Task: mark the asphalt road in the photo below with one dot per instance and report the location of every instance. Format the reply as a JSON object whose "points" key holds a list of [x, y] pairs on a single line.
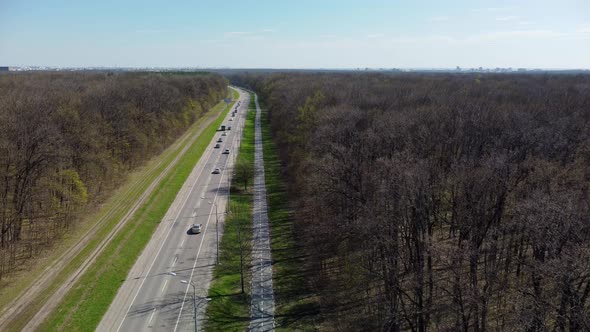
{"points": [[262, 304], [157, 294]]}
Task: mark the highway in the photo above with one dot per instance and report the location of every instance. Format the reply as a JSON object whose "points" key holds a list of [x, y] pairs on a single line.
{"points": [[157, 295]]}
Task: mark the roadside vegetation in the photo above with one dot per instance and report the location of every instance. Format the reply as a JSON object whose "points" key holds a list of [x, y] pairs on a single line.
{"points": [[76, 124], [436, 201], [229, 309], [68, 139], [83, 307], [296, 307]]}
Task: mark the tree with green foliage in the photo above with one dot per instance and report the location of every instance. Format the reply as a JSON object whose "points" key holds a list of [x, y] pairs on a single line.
{"points": [[243, 171]]}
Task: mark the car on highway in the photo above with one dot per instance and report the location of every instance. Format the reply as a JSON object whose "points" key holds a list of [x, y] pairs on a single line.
{"points": [[220, 140], [230, 119], [228, 127], [226, 151], [224, 134], [196, 228], [216, 171], [217, 146]]}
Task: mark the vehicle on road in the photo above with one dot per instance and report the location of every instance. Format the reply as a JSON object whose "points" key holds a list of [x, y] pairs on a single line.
{"points": [[230, 119], [222, 128], [217, 146], [216, 171], [220, 140], [226, 151], [228, 127], [196, 228], [224, 134]]}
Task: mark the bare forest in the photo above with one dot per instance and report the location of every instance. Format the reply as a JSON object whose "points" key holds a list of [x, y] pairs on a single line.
{"points": [[438, 202], [68, 139]]}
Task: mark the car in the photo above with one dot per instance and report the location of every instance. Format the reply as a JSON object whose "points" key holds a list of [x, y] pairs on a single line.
{"points": [[196, 228], [216, 171], [228, 127], [226, 151], [233, 114], [230, 119], [220, 140], [224, 134], [217, 146]]}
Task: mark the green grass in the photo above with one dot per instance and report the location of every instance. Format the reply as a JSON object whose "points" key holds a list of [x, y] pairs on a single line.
{"points": [[230, 309], [295, 306], [85, 304]]}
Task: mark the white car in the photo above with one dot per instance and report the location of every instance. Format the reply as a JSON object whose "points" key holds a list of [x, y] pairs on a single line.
{"points": [[196, 228], [224, 134], [216, 171], [230, 119]]}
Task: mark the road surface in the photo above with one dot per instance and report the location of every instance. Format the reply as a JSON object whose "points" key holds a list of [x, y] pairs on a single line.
{"points": [[157, 294], [262, 305]]}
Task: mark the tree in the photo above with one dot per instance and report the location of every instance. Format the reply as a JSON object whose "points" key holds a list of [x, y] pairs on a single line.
{"points": [[243, 172]]}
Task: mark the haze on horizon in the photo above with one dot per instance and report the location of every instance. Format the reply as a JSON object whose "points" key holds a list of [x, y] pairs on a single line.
{"points": [[296, 34]]}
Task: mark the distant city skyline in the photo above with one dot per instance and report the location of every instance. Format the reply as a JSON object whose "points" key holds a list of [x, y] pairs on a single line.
{"points": [[296, 34]]}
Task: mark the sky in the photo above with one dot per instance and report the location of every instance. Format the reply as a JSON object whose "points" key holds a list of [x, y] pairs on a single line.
{"points": [[296, 33]]}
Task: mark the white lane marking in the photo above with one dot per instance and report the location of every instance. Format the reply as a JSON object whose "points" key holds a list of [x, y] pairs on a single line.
{"points": [[210, 152], [164, 286], [181, 243], [223, 173], [152, 316], [175, 259]]}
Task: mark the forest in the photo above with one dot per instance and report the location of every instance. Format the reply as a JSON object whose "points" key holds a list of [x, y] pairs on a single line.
{"points": [[438, 202], [67, 139]]}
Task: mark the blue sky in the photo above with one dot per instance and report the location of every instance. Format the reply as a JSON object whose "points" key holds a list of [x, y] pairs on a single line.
{"points": [[296, 34]]}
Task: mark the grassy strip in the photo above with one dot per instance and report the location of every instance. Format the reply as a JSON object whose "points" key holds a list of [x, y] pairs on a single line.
{"points": [[230, 308], [85, 304], [295, 306]]}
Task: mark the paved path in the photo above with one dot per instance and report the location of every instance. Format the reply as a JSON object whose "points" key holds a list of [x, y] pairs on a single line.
{"points": [[262, 306]]}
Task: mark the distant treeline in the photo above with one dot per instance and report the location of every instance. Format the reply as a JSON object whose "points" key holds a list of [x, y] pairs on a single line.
{"points": [[67, 139], [439, 202]]}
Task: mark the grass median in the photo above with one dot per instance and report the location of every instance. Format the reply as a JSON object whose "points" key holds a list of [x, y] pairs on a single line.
{"points": [[295, 306], [229, 309], [85, 304]]}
